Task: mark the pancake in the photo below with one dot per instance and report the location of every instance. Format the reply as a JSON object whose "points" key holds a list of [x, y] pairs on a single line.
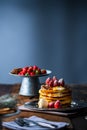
{"points": [[53, 93]]}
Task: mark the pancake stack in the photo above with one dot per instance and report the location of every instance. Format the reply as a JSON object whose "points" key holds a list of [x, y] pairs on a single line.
{"points": [[54, 90]]}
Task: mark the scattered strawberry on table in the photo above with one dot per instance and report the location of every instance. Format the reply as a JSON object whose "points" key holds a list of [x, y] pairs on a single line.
{"points": [[31, 71]]}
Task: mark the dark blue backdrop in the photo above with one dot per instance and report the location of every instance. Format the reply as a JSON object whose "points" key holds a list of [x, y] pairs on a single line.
{"points": [[49, 33]]}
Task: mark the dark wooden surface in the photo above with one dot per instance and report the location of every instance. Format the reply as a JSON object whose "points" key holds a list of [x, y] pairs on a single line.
{"points": [[79, 92]]}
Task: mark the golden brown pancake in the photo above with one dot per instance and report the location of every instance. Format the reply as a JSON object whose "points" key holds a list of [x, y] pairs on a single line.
{"points": [[56, 93]]}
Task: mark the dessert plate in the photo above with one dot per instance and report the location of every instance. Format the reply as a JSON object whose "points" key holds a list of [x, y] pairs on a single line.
{"points": [[74, 107]]}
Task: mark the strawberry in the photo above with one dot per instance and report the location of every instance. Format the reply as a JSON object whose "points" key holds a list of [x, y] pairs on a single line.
{"points": [[24, 69], [50, 83], [57, 104], [32, 73], [30, 69], [35, 67], [61, 82], [55, 83], [21, 73], [54, 78], [51, 105], [47, 80]]}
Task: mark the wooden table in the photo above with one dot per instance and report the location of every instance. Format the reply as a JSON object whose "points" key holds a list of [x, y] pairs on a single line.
{"points": [[77, 121]]}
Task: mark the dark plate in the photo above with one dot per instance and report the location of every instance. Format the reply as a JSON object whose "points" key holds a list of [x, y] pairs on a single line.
{"points": [[39, 75], [75, 106], [11, 114]]}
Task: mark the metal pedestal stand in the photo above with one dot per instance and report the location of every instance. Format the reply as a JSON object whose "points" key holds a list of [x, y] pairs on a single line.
{"points": [[30, 86]]}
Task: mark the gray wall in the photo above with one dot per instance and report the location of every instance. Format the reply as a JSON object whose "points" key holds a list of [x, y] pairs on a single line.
{"points": [[49, 33]]}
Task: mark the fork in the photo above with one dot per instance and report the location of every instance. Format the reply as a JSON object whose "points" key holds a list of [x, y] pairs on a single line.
{"points": [[26, 122]]}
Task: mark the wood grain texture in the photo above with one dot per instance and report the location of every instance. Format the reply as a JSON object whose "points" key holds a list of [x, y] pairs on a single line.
{"points": [[79, 92]]}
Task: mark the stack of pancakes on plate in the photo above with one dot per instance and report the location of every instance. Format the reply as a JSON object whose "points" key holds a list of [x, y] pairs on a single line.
{"points": [[57, 91]]}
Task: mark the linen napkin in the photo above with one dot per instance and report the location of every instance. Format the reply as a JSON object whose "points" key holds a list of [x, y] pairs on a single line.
{"points": [[14, 126]]}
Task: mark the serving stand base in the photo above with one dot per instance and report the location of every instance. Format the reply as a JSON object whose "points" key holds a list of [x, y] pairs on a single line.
{"points": [[30, 86]]}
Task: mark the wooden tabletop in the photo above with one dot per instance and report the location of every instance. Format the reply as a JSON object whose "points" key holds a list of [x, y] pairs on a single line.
{"points": [[79, 92]]}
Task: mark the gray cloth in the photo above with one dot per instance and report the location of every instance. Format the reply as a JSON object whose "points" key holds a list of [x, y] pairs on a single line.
{"points": [[14, 126]]}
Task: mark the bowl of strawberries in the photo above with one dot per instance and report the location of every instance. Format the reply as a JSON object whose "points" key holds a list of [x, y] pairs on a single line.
{"points": [[30, 71]]}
